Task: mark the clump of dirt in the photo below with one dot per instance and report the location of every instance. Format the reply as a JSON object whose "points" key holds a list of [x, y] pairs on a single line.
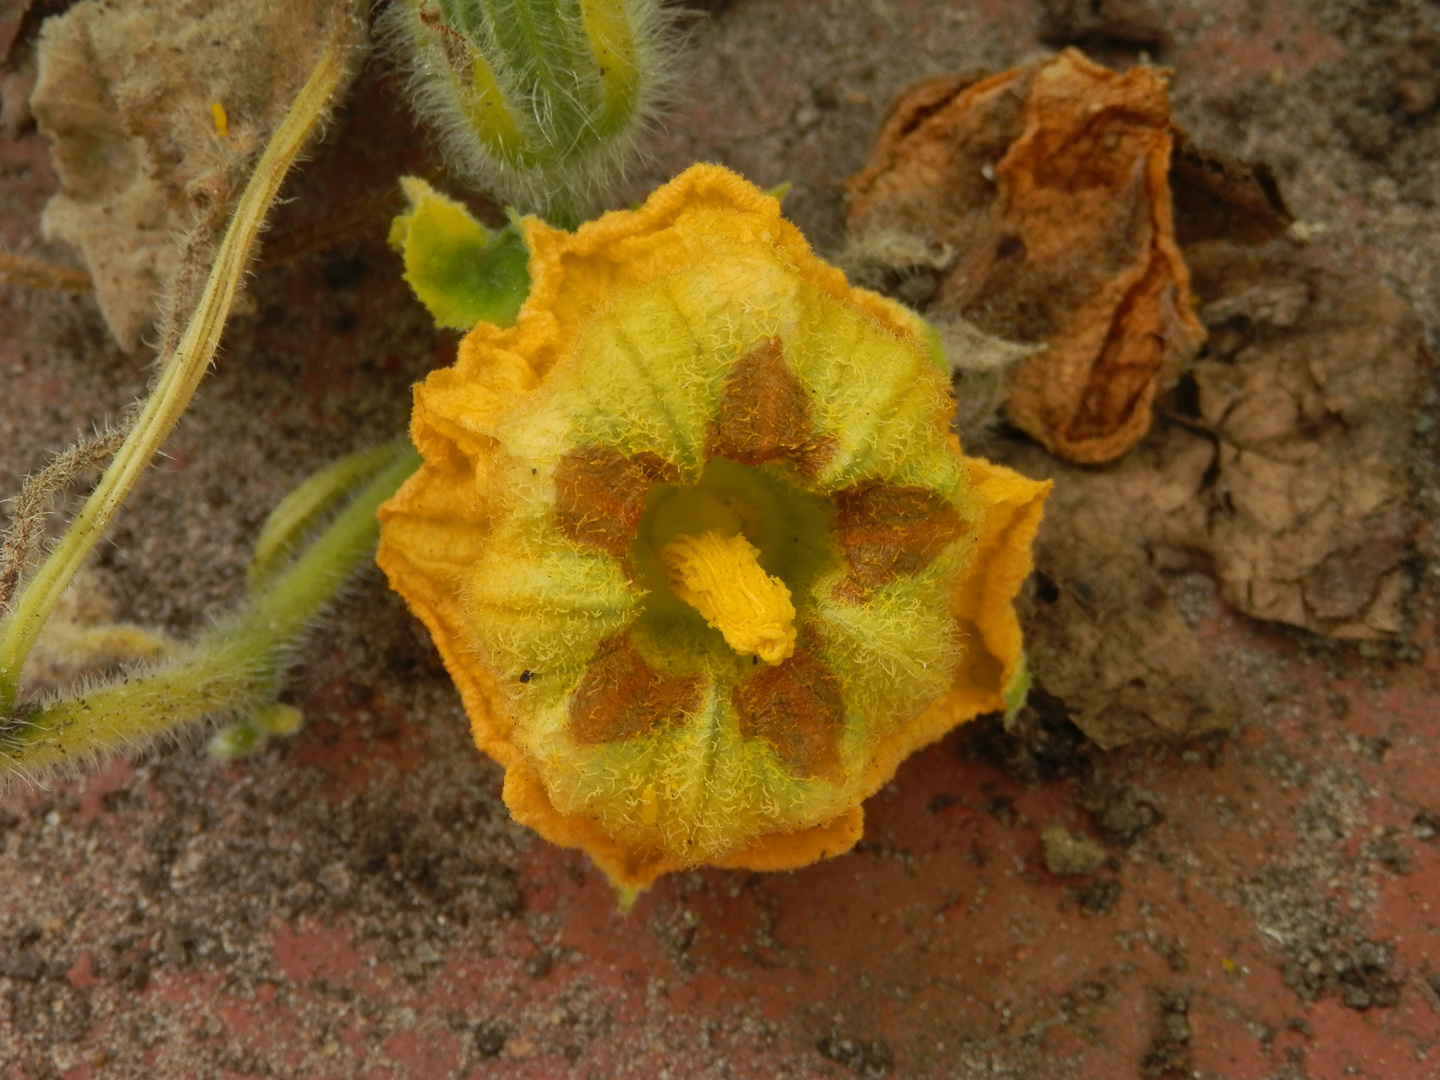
{"points": [[1426, 825], [1114, 23], [1068, 853], [1359, 972], [1387, 850], [1121, 813], [1040, 744], [1098, 896], [868, 1060], [1169, 1053]]}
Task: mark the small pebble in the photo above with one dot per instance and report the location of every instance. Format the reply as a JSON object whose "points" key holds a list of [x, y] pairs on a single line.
{"points": [[1066, 853]]}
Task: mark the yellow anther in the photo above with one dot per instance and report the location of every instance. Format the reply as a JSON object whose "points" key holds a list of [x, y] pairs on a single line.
{"points": [[721, 578], [222, 121]]}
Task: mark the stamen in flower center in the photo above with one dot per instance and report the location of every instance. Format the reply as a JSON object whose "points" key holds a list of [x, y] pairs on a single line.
{"points": [[721, 578]]}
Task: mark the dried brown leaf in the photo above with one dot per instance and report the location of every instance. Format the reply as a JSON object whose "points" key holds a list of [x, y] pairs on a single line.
{"points": [[1290, 486], [1219, 197], [1050, 184], [1101, 632], [1310, 387], [126, 96]]}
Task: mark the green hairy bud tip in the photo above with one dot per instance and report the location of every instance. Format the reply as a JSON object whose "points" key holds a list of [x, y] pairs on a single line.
{"points": [[537, 101]]}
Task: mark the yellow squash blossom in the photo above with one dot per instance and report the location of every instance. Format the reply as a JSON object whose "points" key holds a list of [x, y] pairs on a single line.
{"points": [[697, 545]]}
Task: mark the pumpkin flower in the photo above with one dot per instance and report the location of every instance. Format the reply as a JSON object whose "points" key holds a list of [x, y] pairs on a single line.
{"points": [[697, 545]]}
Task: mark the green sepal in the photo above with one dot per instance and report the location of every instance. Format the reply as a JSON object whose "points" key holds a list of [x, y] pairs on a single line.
{"points": [[1016, 691], [780, 190], [462, 272]]}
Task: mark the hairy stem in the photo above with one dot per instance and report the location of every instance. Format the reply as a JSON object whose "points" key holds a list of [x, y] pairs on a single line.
{"points": [[28, 509], [180, 375], [234, 669], [38, 274]]}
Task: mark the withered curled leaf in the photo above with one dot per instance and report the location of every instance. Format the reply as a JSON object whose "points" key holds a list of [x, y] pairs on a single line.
{"points": [[1281, 469], [1288, 481], [128, 96], [1050, 185]]}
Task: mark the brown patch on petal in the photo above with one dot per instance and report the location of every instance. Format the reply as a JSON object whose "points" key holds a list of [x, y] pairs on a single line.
{"points": [[764, 415], [600, 495], [797, 708], [888, 532], [620, 696]]}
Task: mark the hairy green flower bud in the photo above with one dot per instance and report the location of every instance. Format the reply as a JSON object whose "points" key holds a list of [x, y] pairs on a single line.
{"points": [[538, 101]]}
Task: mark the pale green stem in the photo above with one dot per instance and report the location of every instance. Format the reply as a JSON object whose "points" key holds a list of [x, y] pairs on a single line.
{"points": [[181, 375], [233, 669]]}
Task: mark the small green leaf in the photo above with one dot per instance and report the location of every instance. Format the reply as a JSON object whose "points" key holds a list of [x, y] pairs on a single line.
{"points": [[461, 271]]}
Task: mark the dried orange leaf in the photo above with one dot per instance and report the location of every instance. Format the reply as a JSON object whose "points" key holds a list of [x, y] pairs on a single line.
{"points": [[1050, 184]]}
